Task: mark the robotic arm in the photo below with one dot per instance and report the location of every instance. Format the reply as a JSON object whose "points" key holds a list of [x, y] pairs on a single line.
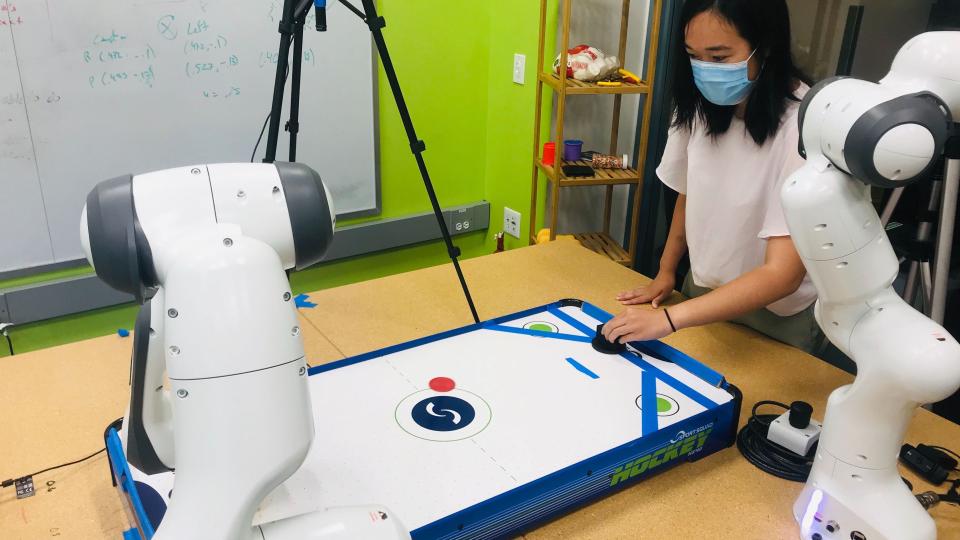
{"points": [[205, 250], [858, 134]]}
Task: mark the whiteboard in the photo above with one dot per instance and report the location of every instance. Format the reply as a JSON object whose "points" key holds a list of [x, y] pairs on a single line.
{"points": [[95, 89]]}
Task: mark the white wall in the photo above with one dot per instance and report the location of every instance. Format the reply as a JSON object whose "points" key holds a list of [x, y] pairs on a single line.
{"points": [[887, 25], [597, 23], [817, 30]]}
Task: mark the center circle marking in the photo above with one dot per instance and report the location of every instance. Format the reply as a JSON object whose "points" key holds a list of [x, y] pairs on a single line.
{"points": [[443, 413]]}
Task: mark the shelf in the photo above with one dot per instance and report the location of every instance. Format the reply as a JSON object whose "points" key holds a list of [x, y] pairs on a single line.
{"points": [[575, 87], [561, 86], [604, 245], [602, 177]]}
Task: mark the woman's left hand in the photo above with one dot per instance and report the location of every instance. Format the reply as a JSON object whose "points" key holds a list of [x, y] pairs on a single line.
{"points": [[637, 324]]}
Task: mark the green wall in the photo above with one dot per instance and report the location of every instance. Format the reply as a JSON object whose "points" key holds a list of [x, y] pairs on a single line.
{"points": [[454, 61], [510, 112]]}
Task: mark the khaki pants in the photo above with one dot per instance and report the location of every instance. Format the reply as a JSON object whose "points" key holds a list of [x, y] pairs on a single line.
{"points": [[800, 330]]}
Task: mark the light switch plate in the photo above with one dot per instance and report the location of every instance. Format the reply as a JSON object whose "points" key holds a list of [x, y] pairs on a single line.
{"points": [[519, 67]]}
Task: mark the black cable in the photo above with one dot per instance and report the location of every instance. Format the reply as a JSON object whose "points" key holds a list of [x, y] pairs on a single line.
{"points": [[948, 451], [929, 499], [260, 138], [9, 482], [266, 120], [768, 456]]}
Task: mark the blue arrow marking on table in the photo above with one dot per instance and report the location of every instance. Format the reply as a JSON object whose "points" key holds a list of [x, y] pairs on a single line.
{"points": [[303, 301]]}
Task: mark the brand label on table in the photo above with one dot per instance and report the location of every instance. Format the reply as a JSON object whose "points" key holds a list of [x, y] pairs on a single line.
{"points": [[684, 444]]}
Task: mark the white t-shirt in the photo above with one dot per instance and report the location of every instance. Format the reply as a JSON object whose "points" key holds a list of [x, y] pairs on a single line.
{"points": [[733, 199]]}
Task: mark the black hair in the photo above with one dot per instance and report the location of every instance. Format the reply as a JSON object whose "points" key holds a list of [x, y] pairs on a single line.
{"points": [[765, 24]]}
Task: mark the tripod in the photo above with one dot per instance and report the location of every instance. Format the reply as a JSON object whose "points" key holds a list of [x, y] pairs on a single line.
{"points": [[933, 283], [291, 32]]}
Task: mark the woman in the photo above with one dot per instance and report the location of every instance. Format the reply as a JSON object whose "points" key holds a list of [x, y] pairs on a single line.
{"points": [[732, 144]]}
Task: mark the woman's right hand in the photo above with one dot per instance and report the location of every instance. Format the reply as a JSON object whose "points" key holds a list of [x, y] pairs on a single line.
{"points": [[655, 293]]}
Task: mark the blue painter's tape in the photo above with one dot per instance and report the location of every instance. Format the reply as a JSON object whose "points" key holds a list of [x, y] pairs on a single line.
{"points": [[670, 380], [596, 312], [303, 301], [582, 368], [667, 353], [569, 319], [648, 399], [424, 340], [662, 351], [538, 333], [121, 472], [131, 534]]}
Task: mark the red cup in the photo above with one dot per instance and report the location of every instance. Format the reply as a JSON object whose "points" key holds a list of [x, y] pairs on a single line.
{"points": [[549, 153]]}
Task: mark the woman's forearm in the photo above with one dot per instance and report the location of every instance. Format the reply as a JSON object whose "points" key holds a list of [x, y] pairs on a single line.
{"points": [[752, 291], [777, 278]]}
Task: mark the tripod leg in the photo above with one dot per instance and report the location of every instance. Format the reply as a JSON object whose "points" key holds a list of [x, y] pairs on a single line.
{"points": [[376, 24], [945, 232], [910, 287], [293, 125], [891, 206], [279, 82], [926, 286]]}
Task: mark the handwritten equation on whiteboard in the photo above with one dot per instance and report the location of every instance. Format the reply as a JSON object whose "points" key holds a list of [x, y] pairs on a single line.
{"points": [[9, 15], [208, 58]]}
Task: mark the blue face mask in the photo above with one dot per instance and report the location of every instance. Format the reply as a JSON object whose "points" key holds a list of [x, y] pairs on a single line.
{"points": [[723, 84]]}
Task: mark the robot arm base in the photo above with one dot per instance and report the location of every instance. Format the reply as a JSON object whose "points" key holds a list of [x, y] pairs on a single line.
{"points": [[874, 502]]}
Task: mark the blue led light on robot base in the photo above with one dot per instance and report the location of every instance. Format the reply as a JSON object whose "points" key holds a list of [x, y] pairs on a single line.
{"points": [[813, 507]]}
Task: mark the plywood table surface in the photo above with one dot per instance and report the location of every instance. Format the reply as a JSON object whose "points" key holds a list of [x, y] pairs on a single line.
{"points": [[55, 403], [54, 407]]}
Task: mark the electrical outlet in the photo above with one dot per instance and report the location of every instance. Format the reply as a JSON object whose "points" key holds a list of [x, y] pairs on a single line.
{"points": [[511, 222], [459, 221], [519, 67]]}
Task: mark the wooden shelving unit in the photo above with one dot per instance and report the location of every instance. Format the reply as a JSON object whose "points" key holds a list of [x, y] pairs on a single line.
{"points": [[601, 241], [575, 87], [601, 177]]}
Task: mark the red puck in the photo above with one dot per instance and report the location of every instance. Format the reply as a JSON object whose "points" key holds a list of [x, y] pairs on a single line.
{"points": [[442, 384]]}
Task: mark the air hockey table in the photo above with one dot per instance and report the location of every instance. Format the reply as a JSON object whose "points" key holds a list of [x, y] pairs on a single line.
{"points": [[487, 430]]}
